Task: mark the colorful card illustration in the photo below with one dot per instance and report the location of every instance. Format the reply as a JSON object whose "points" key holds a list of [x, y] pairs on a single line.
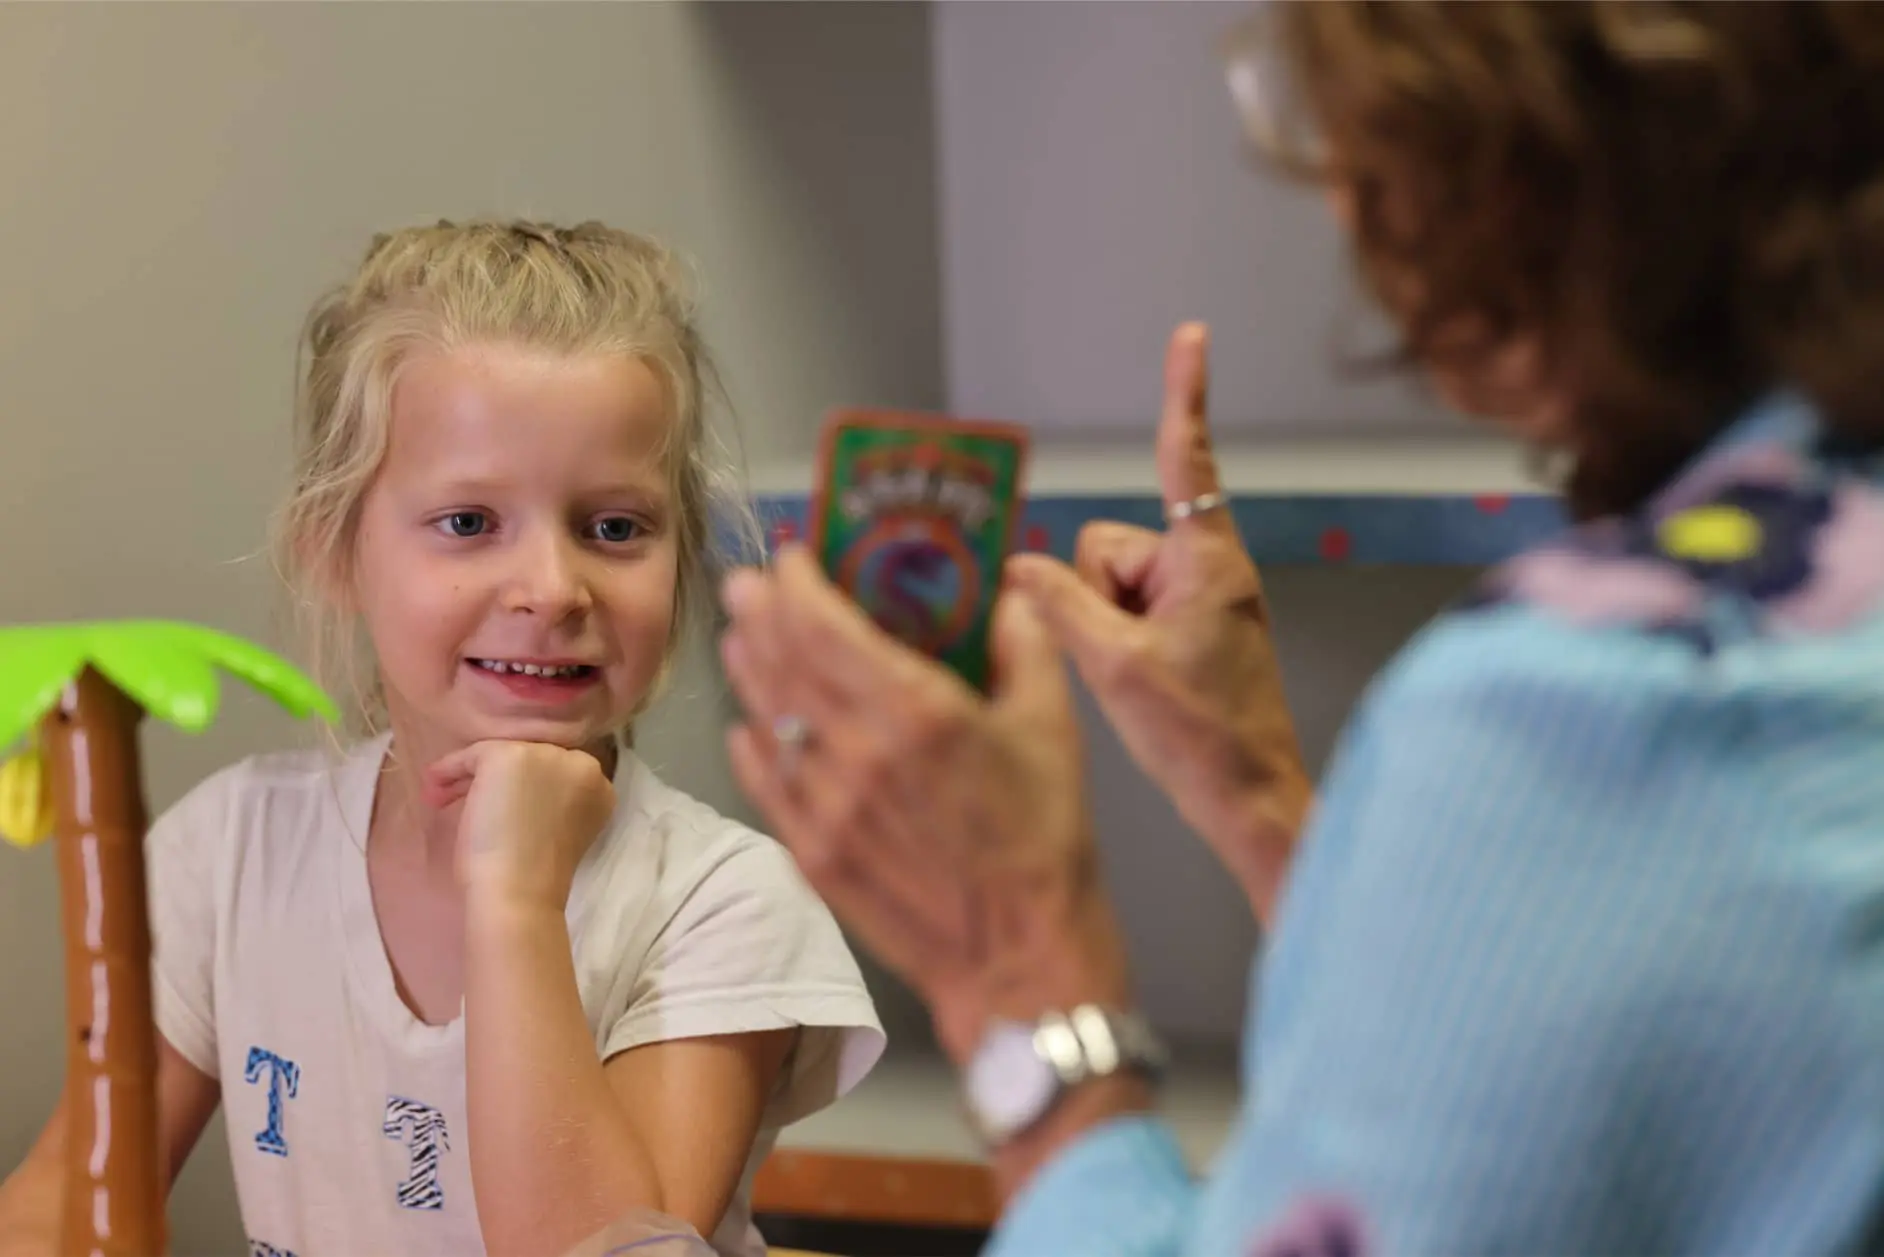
{"points": [[913, 516]]}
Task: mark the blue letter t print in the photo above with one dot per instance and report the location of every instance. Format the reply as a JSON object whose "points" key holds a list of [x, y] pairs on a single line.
{"points": [[283, 1076]]}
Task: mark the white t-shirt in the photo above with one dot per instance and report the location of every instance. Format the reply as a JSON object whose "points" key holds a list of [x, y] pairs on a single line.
{"points": [[346, 1114]]}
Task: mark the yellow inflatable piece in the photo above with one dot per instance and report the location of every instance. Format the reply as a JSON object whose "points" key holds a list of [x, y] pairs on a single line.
{"points": [[25, 812]]}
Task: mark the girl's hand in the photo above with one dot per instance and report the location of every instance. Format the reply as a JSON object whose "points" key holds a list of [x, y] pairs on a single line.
{"points": [[1170, 632], [950, 832], [531, 810]]}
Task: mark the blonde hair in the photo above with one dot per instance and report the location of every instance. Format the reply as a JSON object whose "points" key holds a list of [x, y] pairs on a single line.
{"points": [[586, 289]]}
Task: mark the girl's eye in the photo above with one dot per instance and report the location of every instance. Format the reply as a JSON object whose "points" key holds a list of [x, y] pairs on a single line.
{"points": [[466, 523], [616, 529]]}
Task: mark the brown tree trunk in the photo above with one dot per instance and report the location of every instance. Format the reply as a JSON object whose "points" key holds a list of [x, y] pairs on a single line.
{"points": [[114, 1190]]}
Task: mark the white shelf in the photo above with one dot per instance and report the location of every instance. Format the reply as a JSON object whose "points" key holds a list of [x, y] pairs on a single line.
{"points": [[1398, 465]]}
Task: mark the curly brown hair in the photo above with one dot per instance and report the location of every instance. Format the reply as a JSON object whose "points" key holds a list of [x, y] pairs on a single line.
{"points": [[1682, 202]]}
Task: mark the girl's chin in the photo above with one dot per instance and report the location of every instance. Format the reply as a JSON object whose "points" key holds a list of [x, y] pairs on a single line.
{"points": [[570, 736], [573, 733]]}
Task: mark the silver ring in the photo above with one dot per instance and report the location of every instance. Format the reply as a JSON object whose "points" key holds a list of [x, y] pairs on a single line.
{"points": [[1198, 505], [793, 735]]}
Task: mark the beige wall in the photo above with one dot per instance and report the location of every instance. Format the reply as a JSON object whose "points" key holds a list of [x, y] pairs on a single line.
{"points": [[1046, 225], [176, 183]]}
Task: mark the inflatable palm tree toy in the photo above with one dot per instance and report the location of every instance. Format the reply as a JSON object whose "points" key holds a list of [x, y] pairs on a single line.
{"points": [[86, 687]]}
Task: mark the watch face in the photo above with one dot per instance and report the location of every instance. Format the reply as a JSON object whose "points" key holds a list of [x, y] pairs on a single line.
{"points": [[1007, 1084]]}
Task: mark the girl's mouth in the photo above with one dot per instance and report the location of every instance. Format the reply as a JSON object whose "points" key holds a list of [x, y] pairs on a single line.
{"points": [[537, 682]]}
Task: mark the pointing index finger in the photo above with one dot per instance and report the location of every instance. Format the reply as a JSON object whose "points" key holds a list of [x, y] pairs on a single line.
{"points": [[1187, 465]]}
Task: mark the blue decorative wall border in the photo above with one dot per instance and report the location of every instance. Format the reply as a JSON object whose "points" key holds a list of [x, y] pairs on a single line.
{"points": [[1358, 529]]}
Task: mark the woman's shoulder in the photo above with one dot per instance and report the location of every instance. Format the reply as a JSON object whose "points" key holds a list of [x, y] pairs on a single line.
{"points": [[1758, 577], [1732, 639], [1671, 713]]}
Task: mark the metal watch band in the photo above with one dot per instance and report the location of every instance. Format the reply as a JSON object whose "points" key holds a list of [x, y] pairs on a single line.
{"points": [[1074, 1047], [1092, 1042]]}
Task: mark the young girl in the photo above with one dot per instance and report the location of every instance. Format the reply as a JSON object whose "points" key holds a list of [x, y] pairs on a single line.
{"points": [[486, 982]]}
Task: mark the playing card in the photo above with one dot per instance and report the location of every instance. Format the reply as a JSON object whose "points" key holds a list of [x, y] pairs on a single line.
{"points": [[913, 516]]}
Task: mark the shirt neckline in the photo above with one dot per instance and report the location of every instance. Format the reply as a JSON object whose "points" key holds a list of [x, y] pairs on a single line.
{"points": [[369, 968]]}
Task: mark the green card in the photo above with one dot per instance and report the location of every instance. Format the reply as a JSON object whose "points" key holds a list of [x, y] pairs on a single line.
{"points": [[913, 517]]}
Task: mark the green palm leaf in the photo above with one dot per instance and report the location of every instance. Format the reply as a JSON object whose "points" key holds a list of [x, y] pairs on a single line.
{"points": [[166, 667], [36, 661], [158, 671], [262, 671]]}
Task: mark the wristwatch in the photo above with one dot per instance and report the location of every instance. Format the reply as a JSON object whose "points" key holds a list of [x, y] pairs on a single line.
{"points": [[1020, 1071]]}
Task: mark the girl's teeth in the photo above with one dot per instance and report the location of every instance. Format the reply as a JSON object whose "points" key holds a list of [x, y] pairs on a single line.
{"points": [[526, 669]]}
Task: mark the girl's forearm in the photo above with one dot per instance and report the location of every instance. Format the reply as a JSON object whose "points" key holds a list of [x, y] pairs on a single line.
{"points": [[553, 1156]]}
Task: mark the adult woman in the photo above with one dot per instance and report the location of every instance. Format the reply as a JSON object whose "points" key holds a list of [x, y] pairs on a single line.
{"points": [[1581, 949]]}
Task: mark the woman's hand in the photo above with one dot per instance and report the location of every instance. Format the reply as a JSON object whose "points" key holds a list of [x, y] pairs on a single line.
{"points": [[949, 831], [1170, 632]]}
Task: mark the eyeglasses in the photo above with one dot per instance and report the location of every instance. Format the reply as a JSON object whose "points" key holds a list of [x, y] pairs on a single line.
{"points": [[1275, 118]]}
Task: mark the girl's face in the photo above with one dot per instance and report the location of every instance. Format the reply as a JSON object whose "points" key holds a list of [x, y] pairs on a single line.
{"points": [[516, 558]]}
